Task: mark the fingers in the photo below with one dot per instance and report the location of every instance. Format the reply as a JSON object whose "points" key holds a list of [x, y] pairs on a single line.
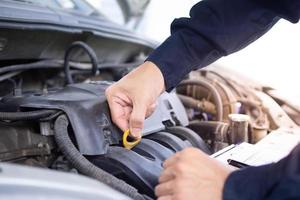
{"points": [[164, 189], [190, 173], [119, 115], [172, 160], [126, 93], [166, 175], [137, 117], [150, 109], [128, 112], [119, 109]]}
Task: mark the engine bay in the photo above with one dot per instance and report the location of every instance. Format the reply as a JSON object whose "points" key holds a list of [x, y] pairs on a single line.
{"points": [[55, 115], [57, 139], [81, 113]]}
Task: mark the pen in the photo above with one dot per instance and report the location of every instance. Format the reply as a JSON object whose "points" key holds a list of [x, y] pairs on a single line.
{"points": [[237, 164]]}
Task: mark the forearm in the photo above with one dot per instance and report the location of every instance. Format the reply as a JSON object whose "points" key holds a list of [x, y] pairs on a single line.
{"points": [[215, 28]]}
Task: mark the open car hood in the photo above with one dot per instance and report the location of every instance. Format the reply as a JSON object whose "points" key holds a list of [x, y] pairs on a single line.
{"points": [[30, 31]]}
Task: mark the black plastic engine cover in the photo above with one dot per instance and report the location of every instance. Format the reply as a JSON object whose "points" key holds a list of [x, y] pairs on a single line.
{"points": [[86, 107], [139, 167]]}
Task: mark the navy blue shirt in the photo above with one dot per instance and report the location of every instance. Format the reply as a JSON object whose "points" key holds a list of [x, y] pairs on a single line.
{"points": [[274, 181], [218, 28]]}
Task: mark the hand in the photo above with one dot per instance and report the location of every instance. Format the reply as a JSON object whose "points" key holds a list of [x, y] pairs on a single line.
{"points": [[133, 98], [190, 174]]}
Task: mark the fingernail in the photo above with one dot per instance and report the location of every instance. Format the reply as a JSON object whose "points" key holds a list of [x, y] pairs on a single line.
{"points": [[136, 132]]}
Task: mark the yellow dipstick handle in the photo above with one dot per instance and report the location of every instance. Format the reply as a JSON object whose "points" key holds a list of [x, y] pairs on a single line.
{"points": [[127, 144]]}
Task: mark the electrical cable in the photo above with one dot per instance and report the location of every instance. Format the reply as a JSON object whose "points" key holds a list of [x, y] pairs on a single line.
{"points": [[26, 116], [88, 50], [83, 165], [56, 64], [35, 65]]}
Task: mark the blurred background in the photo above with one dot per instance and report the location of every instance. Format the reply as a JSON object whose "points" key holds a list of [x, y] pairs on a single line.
{"points": [[273, 60]]}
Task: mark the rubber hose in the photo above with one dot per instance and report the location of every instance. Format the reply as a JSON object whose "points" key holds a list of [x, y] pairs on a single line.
{"points": [[26, 116], [202, 105], [85, 166], [46, 64], [217, 131], [216, 96], [90, 52]]}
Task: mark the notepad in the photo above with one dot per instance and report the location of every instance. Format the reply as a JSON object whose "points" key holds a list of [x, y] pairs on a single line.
{"points": [[272, 148]]}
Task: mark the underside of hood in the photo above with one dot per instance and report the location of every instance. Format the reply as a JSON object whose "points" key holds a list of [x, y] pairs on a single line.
{"points": [[31, 32]]}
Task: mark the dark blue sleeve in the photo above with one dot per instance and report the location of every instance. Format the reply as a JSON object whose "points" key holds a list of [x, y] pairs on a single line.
{"points": [[217, 28], [274, 181]]}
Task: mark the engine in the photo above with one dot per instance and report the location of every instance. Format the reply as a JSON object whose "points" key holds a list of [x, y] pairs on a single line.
{"points": [[70, 129]]}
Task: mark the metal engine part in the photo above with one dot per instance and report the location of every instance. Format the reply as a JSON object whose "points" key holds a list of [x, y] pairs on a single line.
{"points": [[20, 140]]}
